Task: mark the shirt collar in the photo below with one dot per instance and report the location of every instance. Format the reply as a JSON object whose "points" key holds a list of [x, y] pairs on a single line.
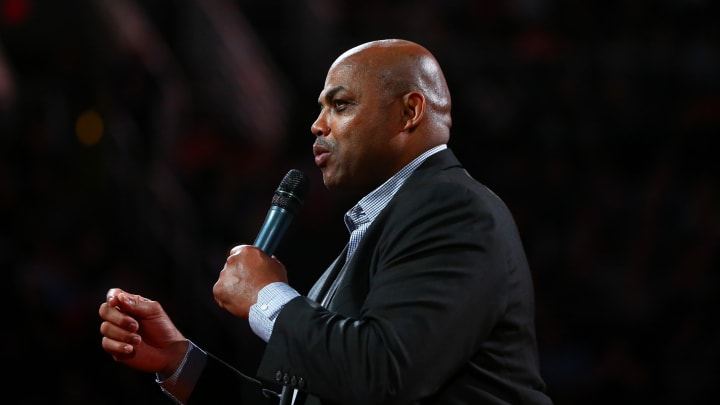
{"points": [[370, 206]]}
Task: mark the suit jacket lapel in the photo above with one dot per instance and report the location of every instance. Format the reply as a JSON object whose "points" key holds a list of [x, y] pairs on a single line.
{"points": [[320, 288]]}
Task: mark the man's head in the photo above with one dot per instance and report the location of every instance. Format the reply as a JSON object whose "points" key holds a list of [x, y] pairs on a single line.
{"points": [[384, 103]]}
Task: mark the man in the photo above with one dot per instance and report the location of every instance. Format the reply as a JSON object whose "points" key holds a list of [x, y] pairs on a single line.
{"points": [[431, 302]]}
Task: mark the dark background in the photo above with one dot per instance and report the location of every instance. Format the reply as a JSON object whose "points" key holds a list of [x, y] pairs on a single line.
{"points": [[139, 140]]}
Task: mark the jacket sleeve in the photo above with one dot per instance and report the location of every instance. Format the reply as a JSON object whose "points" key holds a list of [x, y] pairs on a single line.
{"points": [[221, 384]]}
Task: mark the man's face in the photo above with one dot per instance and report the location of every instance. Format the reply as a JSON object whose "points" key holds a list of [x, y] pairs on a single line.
{"points": [[355, 130]]}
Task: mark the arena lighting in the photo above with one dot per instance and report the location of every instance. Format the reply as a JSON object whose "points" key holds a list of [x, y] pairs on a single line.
{"points": [[89, 128], [14, 12]]}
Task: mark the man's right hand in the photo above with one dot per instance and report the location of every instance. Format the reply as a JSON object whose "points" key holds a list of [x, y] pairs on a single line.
{"points": [[138, 333]]}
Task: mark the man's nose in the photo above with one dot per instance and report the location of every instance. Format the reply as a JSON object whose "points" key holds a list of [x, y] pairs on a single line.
{"points": [[319, 127]]}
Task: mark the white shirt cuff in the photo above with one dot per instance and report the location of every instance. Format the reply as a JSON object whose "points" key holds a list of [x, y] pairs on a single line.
{"points": [[271, 299]]}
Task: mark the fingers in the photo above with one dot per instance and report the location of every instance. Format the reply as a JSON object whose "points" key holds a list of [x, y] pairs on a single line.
{"points": [[118, 330], [114, 294], [235, 249], [114, 315], [134, 305], [111, 294], [118, 346], [119, 327]]}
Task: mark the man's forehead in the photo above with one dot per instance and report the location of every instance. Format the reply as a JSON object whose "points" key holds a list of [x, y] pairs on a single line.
{"points": [[343, 70], [341, 77]]}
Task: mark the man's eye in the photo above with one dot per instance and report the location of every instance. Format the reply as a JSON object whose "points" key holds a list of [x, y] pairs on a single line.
{"points": [[339, 104]]}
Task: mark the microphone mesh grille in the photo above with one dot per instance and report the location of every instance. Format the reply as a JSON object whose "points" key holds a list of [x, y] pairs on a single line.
{"points": [[291, 192]]}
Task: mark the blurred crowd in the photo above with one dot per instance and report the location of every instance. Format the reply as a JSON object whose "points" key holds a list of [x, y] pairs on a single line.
{"points": [[140, 140]]}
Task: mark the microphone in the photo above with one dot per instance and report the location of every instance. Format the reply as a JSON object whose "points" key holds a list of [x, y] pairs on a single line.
{"points": [[286, 202]]}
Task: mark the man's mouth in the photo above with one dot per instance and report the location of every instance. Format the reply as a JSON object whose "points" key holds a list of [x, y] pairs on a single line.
{"points": [[321, 154]]}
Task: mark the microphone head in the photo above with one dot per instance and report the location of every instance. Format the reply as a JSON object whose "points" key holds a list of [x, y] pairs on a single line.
{"points": [[291, 192]]}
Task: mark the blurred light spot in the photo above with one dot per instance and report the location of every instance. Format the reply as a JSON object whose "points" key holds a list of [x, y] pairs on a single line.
{"points": [[89, 128], [14, 12]]}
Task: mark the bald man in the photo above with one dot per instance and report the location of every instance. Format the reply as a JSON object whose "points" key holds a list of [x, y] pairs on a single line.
{"points": [[431, 301]]}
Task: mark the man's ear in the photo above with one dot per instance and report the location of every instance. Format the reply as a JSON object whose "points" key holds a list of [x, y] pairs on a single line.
{"points": [[413, 110]]}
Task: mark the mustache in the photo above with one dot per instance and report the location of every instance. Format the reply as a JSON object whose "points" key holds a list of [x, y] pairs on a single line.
{"points": [[323, 143]]}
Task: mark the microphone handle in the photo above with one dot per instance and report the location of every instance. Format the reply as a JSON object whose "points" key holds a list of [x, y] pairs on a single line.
{"points": [[276, 223]]}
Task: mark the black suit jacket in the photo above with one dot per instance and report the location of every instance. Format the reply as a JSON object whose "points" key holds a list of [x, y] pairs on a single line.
{"points": [[434, 307]]}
